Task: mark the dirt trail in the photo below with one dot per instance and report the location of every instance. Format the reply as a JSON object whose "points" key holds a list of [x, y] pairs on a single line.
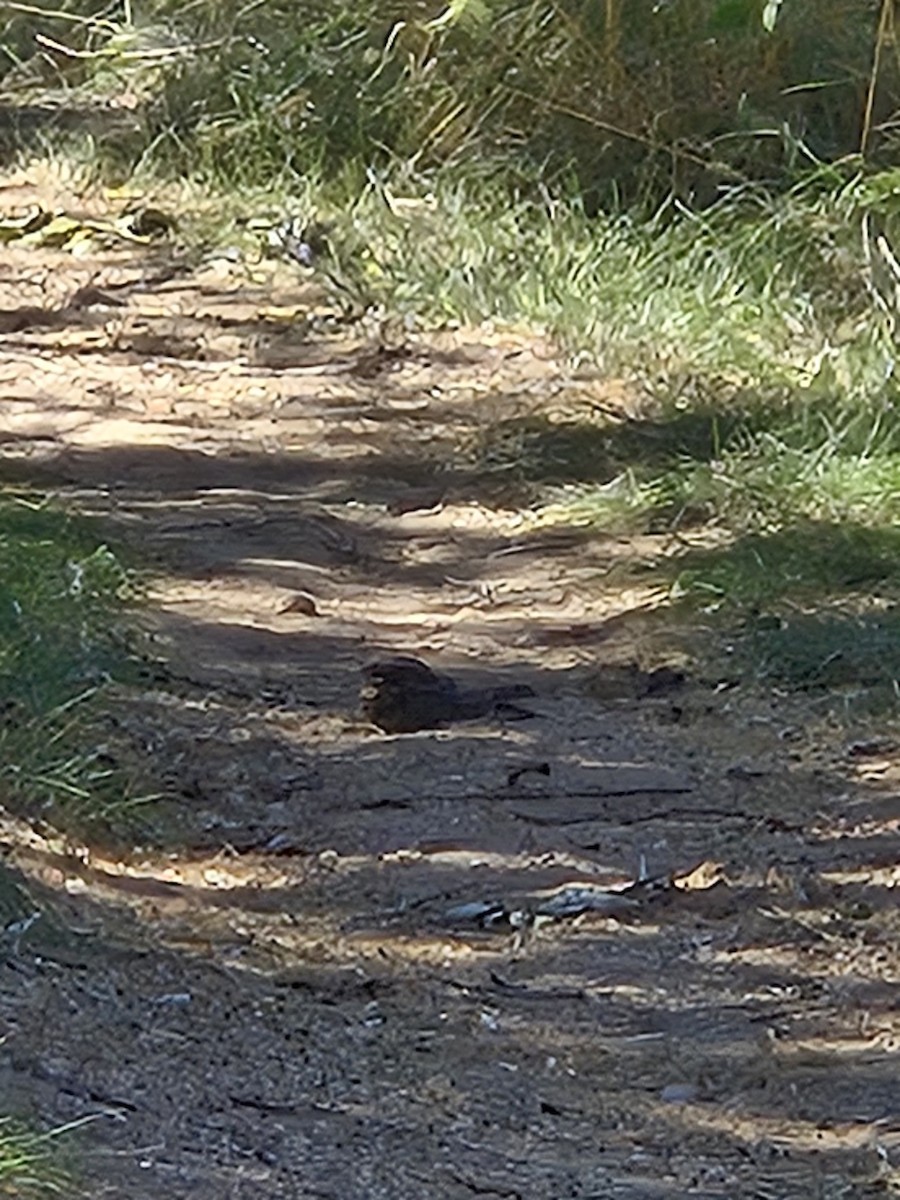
{"points": [[295, 1001]]}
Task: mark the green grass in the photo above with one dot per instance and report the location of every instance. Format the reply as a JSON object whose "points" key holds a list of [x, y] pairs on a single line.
{"points": [[814, 607], [32, 1164], [839, 651], [63, 594], [61, 590], [800, 565]]}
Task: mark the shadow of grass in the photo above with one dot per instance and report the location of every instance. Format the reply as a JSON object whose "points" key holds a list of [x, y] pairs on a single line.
{"points": [[538, 449], [855, 657], [33, 127], [814, 561], [803, 597]]}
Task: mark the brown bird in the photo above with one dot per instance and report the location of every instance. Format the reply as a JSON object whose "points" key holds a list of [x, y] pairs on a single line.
{"points": [[403, 694]]}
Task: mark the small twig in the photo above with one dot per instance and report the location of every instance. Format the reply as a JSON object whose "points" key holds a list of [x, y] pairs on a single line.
{"points": [[58, 15], [266, 1106], [781, 914], [163, 52], [884, 21], [625, 822], [524, 991], [486, 1189]]}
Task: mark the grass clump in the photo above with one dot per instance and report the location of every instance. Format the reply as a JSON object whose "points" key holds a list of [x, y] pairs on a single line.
{"points": [[798, 565], [812, 607], [62, 595], [855, 653], [31, 1164]]}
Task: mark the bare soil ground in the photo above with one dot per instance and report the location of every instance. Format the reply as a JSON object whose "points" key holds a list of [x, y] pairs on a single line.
{"points": [[285, 996]]}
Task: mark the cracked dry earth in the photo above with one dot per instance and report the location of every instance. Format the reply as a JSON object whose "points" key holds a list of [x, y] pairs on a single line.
{"points": [[287, 996]]}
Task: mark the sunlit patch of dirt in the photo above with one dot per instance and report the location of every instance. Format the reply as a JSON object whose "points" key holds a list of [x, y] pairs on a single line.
{"points": [[290, 987]]}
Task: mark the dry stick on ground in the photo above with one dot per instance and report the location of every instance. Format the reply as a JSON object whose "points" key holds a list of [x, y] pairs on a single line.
{"points": [[163, 52], [59, 15], [885, 24]]}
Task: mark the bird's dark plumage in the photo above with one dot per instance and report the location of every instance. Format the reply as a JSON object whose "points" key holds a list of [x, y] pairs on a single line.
{"points": [[403, 695]]}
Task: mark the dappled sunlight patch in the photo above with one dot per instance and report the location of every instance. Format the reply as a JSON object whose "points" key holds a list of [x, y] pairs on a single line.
{"points": [[845, 1152]]}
